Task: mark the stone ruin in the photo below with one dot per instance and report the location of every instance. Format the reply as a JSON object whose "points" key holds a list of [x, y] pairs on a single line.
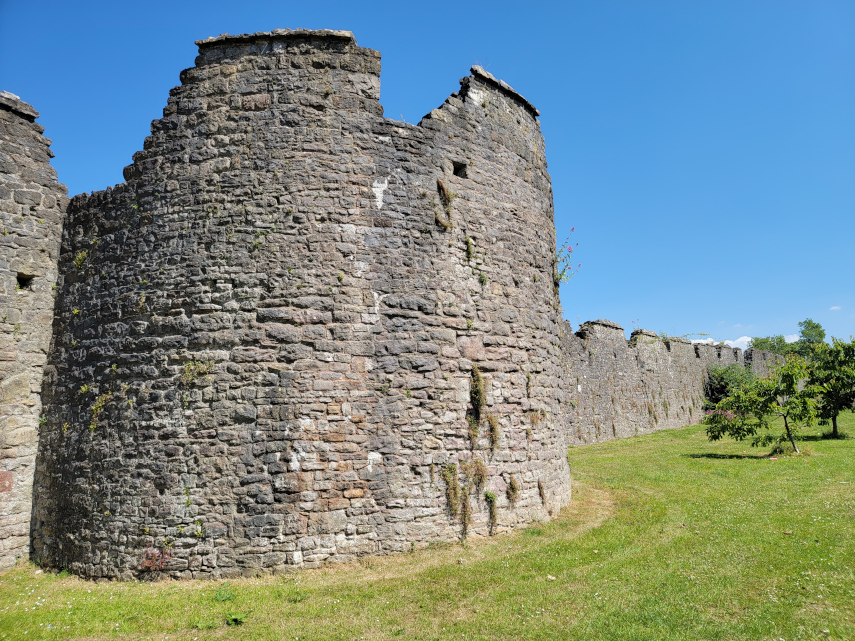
{"points": [[300, 332]]}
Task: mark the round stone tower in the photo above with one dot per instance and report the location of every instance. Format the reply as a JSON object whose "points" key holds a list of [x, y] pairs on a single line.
{"points": [[301, 332]]}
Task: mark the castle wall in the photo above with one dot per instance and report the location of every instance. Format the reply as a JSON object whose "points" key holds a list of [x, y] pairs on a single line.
{"points": [[265, 339], [31, 205], [626, 388], [265, 342]]}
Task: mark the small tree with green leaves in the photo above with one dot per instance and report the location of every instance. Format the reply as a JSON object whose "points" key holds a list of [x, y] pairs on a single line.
{"points": [[833, 379], [751, 407]]}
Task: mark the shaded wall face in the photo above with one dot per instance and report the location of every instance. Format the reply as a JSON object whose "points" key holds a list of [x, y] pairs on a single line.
{"points": [[31, 203], [265, 339], [626, 388]]}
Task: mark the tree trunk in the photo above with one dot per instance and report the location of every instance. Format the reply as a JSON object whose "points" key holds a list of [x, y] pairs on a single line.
{"points": [[834, 426], [790, 436]]}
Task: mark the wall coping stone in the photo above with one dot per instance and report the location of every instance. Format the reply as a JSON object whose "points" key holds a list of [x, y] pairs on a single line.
{"points": [[479, 71], [279, 33], [606, 323], [14, 103]]}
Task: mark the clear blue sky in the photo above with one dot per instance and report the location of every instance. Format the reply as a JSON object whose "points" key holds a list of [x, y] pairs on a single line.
{"points": [[704, 151]]}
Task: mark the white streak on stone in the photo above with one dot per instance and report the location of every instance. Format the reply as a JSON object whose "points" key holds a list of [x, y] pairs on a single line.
{"points": [[378, 188]]}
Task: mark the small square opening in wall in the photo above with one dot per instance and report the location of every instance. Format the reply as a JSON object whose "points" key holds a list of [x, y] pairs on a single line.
{"points": [[25, 281], [460, 169]]}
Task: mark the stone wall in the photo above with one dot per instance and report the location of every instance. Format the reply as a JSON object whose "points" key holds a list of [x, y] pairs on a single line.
{"points": [[31, 206], [270, 342], [637, 386], [265, 339]]}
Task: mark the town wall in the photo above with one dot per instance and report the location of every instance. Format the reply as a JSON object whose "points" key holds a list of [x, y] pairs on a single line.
{"points": [[300, 332], [624, 388]]}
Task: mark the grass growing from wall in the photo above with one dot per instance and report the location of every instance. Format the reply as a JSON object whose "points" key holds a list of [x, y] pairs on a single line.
{"points": [[669, 537]]}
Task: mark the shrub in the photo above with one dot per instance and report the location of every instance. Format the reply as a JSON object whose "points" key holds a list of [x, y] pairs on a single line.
{"points": [[154, 559], [723, 381]]}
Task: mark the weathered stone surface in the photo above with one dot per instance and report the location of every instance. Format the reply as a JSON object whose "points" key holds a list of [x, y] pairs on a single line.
{"points": [[264, 340], [628, 387], [31, 206]]}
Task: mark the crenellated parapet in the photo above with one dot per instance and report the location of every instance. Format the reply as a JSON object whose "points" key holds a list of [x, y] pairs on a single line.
{"points": [[624, 388]]}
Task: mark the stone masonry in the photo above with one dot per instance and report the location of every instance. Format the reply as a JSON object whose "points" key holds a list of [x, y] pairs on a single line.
{"points": [[31, 209], [265, 339], [300, 332], [648, 383]]}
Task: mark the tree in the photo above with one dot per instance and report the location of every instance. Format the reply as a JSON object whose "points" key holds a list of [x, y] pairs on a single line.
{"points": [[833, 376], [751, 407], [811, 332], [775, 344]]}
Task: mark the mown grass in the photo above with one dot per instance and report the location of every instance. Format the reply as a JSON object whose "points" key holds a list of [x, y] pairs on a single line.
{"points": [[668, 537]]}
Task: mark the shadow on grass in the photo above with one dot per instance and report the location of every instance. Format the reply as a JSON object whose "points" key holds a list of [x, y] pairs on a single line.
{"points": [[753, 457], [827, 436]]}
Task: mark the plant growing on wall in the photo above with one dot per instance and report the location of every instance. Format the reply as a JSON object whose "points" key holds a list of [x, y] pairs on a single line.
{"points": [[154, 559], [472, 429], [493, 423], [452, 488], [564, 269], [477, 393], [80, 258], [490, 498], [192, 370], [445, 195], [475, 471], [513, 490], [97, 408]]}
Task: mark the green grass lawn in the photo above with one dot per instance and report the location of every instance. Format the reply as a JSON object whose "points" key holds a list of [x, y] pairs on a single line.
{"points": [[668, 537]]}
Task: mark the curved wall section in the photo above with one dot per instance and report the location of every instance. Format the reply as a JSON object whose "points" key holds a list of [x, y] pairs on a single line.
{"points": [[266, 340]]}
